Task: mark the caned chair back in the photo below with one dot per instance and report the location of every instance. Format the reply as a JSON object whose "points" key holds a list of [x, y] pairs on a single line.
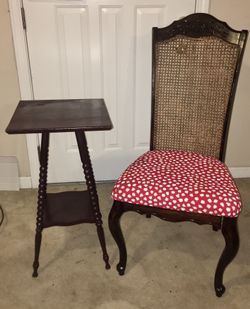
{"points": [[196, 64]]}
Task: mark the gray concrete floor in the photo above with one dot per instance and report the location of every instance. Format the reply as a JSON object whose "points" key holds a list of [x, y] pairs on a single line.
{"points": [[170, 265]]}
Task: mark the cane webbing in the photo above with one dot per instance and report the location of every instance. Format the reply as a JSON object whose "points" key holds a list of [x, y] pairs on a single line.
{"points": [[193, 80]]}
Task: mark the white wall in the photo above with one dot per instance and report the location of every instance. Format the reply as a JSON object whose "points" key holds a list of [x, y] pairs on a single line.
{"points": [[10, 145], [237, 15]]}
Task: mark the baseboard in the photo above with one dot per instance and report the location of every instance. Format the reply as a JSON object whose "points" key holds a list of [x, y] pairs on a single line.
{"points": [[240, 172], [9, 173], [25, 182]]}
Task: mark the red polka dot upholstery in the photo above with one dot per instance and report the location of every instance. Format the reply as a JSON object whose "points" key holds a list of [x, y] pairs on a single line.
{"points": [[181, 181]]}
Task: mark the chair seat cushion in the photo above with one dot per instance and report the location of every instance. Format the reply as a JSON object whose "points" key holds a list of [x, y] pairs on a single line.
{"points": [[180, 181]]}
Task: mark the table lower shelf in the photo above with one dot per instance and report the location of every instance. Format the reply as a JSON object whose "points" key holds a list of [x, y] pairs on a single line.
{"points": [[68, 208]]}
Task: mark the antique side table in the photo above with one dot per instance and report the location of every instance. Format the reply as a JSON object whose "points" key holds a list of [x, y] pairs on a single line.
{"points": [[64, 208]]}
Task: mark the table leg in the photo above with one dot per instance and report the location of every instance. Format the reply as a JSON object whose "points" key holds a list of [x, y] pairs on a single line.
{"points": [[91, 186], [42, 192]]}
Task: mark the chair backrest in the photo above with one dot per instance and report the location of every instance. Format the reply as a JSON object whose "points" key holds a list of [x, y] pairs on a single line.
{"points": [[196, 63]]}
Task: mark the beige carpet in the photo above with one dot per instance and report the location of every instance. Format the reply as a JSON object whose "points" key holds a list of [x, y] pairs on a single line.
{"points": [[170, 265]]}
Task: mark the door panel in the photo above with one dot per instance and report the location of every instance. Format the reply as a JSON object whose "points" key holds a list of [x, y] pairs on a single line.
{"points": [[92, 49]]}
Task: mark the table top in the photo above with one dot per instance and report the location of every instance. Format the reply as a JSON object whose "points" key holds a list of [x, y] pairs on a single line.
{"points": [[38, 116]]}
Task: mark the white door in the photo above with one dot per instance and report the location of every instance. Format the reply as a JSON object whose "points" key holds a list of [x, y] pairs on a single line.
{"points": [[95, 49]]}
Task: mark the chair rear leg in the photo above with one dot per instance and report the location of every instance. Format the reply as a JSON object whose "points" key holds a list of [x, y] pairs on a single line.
{"points": [[115, 229], [215, 228], [231, 236]]}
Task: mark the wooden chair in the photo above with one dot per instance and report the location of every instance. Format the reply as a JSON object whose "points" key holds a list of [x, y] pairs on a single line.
{"points": [[196, 63]]}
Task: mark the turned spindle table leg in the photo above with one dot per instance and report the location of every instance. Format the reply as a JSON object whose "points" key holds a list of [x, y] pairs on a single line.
{"points": [[42, 193], [91, 186]]}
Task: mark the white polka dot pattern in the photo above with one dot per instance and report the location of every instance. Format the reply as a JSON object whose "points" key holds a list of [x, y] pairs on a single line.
{"points": [[181, 181]]}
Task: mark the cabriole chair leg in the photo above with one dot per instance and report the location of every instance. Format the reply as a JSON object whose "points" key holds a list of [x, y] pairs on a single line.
{"points": [[115, 229], [231, 236]]}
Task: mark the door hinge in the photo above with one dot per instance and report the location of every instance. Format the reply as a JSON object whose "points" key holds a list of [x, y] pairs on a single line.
{"points": [[23, 18]]}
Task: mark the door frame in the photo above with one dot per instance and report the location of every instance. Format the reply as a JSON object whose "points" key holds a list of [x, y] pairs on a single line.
{"points": [[25, 79]]}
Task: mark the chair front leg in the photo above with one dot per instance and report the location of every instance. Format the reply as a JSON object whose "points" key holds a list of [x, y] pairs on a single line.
{"points": [[231, 236], [115, 229]]}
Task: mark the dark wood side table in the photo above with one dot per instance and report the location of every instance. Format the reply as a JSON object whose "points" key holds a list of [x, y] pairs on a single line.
{"points": [[65, 208]]}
